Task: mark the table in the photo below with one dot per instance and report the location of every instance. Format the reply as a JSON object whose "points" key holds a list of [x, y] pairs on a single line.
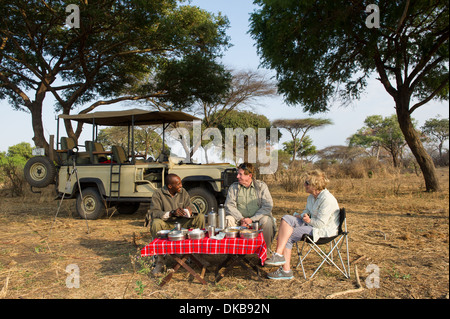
{"points": [[235, 248]]}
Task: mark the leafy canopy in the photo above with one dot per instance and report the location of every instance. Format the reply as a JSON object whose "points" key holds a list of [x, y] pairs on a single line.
{"points": [[122, 49], [323, 49]]}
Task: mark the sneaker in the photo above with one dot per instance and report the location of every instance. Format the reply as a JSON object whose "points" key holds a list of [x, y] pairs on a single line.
{"points": [[281, 274], [275, 260]]}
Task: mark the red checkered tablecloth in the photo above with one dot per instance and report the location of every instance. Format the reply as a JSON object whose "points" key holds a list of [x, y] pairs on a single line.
{"points": [[235, 246]]}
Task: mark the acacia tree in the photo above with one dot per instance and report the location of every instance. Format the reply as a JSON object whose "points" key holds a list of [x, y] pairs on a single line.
{"points": [[121, 50], [297, 126], [246, 88], [381, 132], [329, 48], [304, 148], [242, 120], [438, 131], [147, 141]]}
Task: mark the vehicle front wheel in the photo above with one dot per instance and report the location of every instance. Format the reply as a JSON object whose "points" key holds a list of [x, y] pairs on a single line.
{"points": [[203, 199], [91, 206]]}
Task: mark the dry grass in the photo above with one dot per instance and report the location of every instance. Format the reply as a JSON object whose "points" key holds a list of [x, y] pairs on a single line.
{"points": [[393, 224]]}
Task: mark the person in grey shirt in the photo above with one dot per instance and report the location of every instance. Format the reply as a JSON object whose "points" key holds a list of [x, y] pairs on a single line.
{"points": [[249, 200], [320, 218]]}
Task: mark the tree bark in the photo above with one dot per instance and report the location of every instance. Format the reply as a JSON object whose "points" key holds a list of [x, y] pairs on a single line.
{"points": [[412, 138], [38, 128]]}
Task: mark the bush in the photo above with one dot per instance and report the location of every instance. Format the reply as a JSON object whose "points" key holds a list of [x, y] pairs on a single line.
{"points": [[11, 172], [11, 167]]}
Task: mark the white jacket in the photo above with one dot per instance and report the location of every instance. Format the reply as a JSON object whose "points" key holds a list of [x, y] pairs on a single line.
{"points": [[324, 212]]}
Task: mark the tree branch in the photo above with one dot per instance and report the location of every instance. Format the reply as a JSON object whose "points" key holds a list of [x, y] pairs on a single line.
{"points": [[430, 97]]}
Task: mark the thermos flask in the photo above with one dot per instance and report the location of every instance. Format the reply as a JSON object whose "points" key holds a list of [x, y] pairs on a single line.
{"points": [[212, 218], [221, 217]]}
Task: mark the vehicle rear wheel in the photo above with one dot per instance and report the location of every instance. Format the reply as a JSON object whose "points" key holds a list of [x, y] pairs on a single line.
{"points": [[203, 198], [92, 205], [39, 171]]}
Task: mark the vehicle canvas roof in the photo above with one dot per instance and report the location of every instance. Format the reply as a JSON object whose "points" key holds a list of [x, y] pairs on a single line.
{"points": [[125, 118]]}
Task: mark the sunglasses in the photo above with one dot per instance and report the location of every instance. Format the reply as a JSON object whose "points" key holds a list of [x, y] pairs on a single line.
{"points": [[245, 168]]}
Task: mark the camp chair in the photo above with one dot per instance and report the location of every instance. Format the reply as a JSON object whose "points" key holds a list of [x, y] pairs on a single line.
{"points": [[68, 144], [119, 155], [96, 151], [335, 242]]}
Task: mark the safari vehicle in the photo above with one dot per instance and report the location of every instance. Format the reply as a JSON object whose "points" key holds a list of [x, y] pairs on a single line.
{"points": [[123, 180]]}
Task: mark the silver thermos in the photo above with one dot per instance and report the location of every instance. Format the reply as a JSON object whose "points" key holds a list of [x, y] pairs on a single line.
{"points": [[221, 217], [212, 218]]}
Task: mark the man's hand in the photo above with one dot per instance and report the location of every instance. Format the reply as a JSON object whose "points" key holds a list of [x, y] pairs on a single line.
{"points": [[246, 222], [179, 212]]}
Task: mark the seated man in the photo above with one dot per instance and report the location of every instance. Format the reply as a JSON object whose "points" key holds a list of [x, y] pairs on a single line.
{"points": [[171, 204], [249, 200]]}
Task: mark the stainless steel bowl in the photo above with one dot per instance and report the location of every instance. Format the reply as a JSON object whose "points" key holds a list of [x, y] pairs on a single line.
{"points": [[248, 234], [176, 235], [162, 234], [196, 234], [231, 233]]}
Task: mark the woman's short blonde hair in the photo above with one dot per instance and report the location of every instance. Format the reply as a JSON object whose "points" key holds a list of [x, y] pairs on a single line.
{"points": [[317, 179]]}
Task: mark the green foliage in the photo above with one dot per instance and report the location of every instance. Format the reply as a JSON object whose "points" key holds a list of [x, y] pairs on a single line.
{"points": [[323, 50], [146, 140], [381, 132], [437, 128], [196, 77], [320, 48], [123, 50], [11, 167], [297, 126], [438, 131], [305, 147], [242, 120]]}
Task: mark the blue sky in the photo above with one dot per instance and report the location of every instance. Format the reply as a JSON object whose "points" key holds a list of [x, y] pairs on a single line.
{"points": [[15, 126]]}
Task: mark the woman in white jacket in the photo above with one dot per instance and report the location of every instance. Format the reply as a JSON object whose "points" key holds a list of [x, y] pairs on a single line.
{"points": [[319, 219]]}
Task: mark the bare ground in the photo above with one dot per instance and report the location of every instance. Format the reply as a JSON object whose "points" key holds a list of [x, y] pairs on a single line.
{"points": [[394, 227]]}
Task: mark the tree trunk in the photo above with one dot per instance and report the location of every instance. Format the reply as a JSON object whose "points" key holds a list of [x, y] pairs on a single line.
{"points": [[412, 138], [38, 129]]}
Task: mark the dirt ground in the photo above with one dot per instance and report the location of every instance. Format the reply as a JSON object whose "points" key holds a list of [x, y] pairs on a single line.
{"points": [[399, 243]]}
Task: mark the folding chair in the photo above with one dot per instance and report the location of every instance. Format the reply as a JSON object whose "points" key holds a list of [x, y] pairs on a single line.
{"points": [[335, 242]]}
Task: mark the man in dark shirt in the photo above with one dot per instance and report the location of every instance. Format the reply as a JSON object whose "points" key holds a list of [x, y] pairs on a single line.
{"points": [[171, 204]]}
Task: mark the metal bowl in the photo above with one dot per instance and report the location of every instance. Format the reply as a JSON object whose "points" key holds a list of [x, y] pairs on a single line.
{"points": [[231, 233], [248, 233], [196, 234], [162, 234], [176, 235]]}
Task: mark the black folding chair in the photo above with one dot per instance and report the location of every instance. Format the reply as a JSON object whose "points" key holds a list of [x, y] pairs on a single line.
{"points": [[336, 243]]}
